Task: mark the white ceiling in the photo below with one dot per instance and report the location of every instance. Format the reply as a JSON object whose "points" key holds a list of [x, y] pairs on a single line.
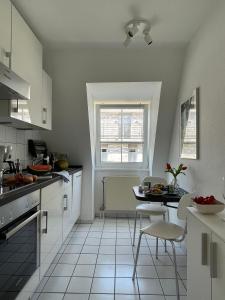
{"points": [[101, 22]]}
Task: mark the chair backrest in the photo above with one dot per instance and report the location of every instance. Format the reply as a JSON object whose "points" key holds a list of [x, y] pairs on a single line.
{"points": [[185, 201], [154, 180]]}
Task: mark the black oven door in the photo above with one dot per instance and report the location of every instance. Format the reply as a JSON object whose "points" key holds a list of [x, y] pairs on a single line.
{"points": [[19, 253]]}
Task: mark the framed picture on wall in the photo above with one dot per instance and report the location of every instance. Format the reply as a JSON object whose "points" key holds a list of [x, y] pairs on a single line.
{"points": [[189, 127]]}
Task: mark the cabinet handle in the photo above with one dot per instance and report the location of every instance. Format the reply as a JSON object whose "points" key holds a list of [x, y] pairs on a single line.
{"points": [[213, 260], [65, 198], [204, 249], [44, 115], [45, 214], [8, 54]]}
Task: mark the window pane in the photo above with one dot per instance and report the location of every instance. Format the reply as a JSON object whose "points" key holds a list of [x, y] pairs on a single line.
{"points": [[110, 124], [122, 134], [110, 152], [132, 125], [132, 153]]}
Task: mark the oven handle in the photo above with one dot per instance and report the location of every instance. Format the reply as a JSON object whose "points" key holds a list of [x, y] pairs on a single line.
{"points": [[9, 234]]}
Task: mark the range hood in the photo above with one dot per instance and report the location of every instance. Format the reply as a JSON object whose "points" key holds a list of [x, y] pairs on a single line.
{"points": [[12, 86]]}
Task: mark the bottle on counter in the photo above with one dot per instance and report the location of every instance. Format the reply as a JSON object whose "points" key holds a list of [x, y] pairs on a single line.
{"points": [[18, 166], [45, 158], [52, 160]]}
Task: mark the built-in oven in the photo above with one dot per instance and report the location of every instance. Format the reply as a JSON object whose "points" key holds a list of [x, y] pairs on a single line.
{"points": [[19, 244]]}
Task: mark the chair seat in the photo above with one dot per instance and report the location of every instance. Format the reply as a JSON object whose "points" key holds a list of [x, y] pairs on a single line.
{"points": [[154, 209], [164, 230]]}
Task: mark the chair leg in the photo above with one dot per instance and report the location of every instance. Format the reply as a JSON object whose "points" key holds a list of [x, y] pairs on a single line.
{"points": [[175, 269], [157, 248], [137, 254], [150, 219], [164, 219], [140, 220], [168, 215], [135, 223]]}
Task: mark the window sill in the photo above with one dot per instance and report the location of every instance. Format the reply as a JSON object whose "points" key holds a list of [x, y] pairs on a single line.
{"points": [[121, 169]]}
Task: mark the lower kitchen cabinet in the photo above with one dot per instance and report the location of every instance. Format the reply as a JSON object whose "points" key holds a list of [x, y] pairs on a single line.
{"points": [[205, 262], [218, 260], [76, 203], [51, 223], [60, 206], [68, 219]]}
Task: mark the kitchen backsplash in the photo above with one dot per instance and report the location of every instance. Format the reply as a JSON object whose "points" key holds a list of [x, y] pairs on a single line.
{"points": [[18, 139]]}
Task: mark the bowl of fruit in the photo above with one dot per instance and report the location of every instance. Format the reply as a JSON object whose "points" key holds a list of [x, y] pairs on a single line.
{"points": [[208, 205]]}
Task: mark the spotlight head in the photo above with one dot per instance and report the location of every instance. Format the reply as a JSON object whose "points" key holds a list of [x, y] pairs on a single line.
{"points": [[133, 27], [132, 31], [148, 39], [127, 41]]}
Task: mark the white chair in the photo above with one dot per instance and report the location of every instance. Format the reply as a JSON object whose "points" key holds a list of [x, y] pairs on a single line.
{"points": [[168, 232], [150, 209]]}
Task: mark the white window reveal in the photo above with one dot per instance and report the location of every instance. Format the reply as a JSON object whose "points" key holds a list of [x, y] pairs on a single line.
{"points": [[122, 136]]}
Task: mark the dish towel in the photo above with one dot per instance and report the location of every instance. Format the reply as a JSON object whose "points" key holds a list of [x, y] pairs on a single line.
{"points": [[64, 175]]}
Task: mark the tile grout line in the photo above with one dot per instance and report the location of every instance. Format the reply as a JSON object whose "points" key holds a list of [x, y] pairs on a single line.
{"points": [[157, 271], [96, 259], [136, 278], [77, 261], [114, 296]]}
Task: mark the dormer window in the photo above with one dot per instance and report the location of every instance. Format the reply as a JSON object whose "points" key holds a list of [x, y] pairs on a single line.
{"points": [[121, 135]]}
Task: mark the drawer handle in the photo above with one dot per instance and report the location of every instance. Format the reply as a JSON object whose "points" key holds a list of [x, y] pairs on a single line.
{"points": [[66, 201], [12, 232], [204, 249], [213, 260]]}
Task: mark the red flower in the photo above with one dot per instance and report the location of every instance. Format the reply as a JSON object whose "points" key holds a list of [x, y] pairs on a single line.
{"points": [[184, 168], [168, 167]]}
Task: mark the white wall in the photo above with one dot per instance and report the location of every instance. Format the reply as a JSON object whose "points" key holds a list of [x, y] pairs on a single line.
{"points": [[72, 69], [205, 68]]}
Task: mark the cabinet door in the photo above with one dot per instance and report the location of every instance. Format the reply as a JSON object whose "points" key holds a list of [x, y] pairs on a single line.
{"points": [[198, 273], [67, 208], [46, 101], [76, 205], [5, 30], [218, 262], [27, 62], [51, 201]]}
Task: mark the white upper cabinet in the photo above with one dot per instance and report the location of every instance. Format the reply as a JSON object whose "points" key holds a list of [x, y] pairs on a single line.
{"points": [[5, 30], [27, 62], [46, 101], [17, 38]]}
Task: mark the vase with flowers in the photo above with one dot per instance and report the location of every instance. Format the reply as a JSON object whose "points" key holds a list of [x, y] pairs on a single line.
{"points": [[175, 172]]}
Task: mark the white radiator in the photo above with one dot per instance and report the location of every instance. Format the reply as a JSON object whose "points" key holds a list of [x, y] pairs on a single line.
{"points": [[118, 194]]}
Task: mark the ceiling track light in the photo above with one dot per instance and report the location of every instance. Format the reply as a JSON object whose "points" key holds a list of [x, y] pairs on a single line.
{"points": [[133, 27]]}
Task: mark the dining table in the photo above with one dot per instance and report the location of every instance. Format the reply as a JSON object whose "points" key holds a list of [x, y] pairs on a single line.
{"points": [[165, 197]]}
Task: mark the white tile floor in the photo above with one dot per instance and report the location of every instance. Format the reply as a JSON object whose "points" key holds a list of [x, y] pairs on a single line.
{"points": [[96, 263]]}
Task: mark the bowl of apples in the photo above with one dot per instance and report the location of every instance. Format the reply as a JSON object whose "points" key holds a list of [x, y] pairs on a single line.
{"points": [[208, 205]]}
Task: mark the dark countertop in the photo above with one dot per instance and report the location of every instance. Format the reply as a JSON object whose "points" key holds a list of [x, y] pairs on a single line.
{"points": [[8, 194]]}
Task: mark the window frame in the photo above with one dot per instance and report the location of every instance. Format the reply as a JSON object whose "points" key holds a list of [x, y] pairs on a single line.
{"points": [[122, 165]]}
